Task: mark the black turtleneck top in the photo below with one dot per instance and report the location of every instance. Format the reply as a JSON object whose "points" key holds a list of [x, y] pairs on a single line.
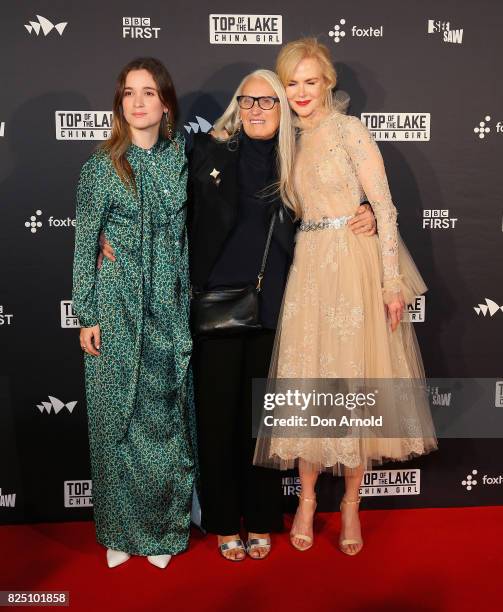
{"points": [[239, 262]]}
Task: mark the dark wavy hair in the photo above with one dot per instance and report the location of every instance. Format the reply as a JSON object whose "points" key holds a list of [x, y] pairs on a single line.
{"points": [[120, 139]]}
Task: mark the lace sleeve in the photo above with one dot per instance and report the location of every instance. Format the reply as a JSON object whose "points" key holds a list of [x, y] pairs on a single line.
{"points": [[369, 166]]}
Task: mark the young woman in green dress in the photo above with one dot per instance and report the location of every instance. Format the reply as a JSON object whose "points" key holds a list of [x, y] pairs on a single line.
{"points": [[134, 313]]}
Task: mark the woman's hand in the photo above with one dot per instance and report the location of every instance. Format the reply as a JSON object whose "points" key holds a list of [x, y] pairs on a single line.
{"points": [[90, 340], [395, 310], [105, 251], [364, 221]]}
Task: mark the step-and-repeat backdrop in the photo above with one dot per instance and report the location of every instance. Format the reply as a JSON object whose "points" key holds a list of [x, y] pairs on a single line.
{"points": [[425, 77]]}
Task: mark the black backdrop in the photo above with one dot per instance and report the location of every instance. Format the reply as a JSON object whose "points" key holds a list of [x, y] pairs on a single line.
{"points": [[429, 63]]}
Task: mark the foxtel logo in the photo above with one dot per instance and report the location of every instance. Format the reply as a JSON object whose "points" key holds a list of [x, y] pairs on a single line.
{"points": [[489, 306], [56, 405], [45, 25]]}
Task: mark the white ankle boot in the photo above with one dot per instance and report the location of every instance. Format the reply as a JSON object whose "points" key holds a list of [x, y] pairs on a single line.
{"points": [[116, 557], [160, 561]]}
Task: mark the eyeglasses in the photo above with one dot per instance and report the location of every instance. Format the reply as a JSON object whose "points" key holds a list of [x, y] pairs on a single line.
{"points": [[265, 102]]}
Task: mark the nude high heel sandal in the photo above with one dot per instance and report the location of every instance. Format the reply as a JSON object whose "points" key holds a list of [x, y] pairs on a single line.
{"points": [[346, 542], [302, 536]]}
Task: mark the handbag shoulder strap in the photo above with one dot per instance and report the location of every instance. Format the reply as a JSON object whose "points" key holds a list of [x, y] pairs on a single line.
{"points": [[266, 252]]}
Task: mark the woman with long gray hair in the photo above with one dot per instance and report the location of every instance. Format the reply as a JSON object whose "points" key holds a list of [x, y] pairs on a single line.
{"points": [[234, 173]]}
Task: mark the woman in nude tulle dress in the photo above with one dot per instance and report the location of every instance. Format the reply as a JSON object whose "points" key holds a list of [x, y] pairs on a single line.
{"points": [[342, 309]]}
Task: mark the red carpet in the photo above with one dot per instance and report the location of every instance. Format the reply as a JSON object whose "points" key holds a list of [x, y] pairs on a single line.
{"points": [[427, 560]]}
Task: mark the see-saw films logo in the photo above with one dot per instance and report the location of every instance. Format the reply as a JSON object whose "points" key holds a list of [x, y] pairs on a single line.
{"points": [[7, 500], [246, 29], [444, 29]]}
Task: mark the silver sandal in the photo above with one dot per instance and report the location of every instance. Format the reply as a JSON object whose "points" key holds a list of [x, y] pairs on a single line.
{"points": [[258, 543], [230, 546]]}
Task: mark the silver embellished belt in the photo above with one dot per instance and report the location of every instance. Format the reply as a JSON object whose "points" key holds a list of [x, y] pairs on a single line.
{"points": [[325, 223]]}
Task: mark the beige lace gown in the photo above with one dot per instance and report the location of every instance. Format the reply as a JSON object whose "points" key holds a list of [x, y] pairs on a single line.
{"points": [[333, 322]]}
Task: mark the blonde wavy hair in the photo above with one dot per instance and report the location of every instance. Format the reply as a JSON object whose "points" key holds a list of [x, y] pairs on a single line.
{"points": [[288, 59], [294, 52], [229, 125]]}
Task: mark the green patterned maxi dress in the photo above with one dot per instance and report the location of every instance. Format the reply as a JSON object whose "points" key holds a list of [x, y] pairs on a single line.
{"points": [[139, 390]]}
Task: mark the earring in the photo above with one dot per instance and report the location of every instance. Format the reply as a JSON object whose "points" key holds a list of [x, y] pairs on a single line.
{"points": [[168, 126]]}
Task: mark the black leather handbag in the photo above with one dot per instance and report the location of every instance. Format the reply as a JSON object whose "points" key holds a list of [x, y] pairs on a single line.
{"points": [[230, 310]]}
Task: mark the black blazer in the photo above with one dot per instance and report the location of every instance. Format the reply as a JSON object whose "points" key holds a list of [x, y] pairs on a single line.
{"points": [[213, 203]]}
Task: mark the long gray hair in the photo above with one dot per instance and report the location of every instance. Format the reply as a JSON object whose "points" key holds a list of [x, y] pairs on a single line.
{"points": [[228, 127]]}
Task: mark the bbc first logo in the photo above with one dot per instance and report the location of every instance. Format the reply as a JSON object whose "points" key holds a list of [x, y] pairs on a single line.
{"points": [[138, 27], [5, 318], [438, 219]]}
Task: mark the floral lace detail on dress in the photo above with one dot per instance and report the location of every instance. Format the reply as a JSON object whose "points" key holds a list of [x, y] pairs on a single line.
{"points": [[334, 323], [344, 318], [290, 309], [369, 167]]}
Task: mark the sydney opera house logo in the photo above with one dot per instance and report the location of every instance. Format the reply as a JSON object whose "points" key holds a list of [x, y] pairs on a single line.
{"points": [[55, 405], [45, 26], [199, 125], [489, 307]]}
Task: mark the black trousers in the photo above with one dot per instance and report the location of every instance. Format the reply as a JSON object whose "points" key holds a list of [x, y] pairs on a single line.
{"points": [[232, 488]]}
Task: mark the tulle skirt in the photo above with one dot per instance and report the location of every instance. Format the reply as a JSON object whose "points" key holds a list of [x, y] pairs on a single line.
{"points": [[333, 325]]}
